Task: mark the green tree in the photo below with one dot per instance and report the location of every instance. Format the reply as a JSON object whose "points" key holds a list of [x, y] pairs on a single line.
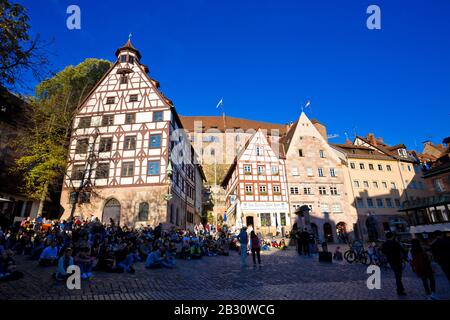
{"points": [[18, 52], [44, 146]]}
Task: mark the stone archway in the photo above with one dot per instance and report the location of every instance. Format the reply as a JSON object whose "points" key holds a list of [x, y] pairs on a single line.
{"points": [[111, 210], [328, 232]]}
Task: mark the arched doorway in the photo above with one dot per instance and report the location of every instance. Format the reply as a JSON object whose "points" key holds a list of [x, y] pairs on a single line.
{"points": [[372, 228], [341, 231], [315, 230], [111, 210], [328, 232]]}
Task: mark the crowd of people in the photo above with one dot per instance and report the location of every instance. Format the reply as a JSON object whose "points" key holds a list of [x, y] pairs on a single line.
{"points": [[93, 246]]}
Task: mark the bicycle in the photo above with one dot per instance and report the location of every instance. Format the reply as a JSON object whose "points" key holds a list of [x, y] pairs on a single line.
{"points": [[356, 253]]}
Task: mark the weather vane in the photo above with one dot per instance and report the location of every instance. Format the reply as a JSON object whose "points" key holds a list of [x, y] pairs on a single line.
{"points": [[129, 36]]}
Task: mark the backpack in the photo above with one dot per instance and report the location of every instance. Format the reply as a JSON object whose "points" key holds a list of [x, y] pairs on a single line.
{"points": [[255, 243]]}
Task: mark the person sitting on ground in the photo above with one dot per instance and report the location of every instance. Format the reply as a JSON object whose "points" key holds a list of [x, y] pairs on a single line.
{"points": [[8, 267], [185, 252], [282, 245], [49, 256], [145, 249], [274, 243], [124, 260], [63, 263], [154, 259], [85, 262], [337, 254], [168, 260], [371, 252], [196, 251]]}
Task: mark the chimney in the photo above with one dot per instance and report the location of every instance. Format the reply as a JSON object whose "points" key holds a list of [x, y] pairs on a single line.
{"points": [[380, 140], [348, 142], [371, 138]]}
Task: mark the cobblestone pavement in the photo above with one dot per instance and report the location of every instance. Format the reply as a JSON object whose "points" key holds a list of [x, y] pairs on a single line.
{"points": [[284, 275]]}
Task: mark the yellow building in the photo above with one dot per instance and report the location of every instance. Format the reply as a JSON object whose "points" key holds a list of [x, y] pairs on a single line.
{"points": [[380, 177]]}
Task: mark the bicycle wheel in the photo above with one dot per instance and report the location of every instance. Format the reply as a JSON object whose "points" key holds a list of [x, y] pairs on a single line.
{"points": [[363, 257], [350, 256]]}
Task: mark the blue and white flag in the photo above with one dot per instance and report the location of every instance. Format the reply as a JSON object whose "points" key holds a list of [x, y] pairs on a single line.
{"points": [[220, 104]]}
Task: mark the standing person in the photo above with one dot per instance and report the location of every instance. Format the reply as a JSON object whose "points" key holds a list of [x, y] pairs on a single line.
{"points": [[441, 252], [421, 265], [305, 242], [298, 236], [395, 254], [255, 246], [243, 241]]}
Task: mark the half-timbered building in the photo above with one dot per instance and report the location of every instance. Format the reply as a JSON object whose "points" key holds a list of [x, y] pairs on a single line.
{"points": [[256, 189], [129, 159]]}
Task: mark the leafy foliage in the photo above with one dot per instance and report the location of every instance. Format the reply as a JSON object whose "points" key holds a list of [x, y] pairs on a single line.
{"points": [[45, 144], [18, 52]]}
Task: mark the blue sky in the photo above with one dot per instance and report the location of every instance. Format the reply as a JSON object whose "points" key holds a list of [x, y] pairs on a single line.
{"points": [[266, 58]]}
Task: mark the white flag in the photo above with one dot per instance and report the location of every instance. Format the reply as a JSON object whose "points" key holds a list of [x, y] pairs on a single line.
{"points": [[307, 104], [220, 104]]}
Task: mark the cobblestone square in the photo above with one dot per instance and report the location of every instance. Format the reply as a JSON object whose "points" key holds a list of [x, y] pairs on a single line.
{"points": [[283, 276]]}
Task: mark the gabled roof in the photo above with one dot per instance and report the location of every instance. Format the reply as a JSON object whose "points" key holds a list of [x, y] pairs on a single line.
{"points": [[390, 151], [360, 152], [221, 123]]}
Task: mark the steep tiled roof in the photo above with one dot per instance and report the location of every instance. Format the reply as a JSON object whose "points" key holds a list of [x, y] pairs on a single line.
{"points": [[360, 152], [219, 123]]}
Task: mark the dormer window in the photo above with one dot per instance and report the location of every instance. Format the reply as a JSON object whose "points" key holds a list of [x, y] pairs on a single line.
{"points": [[130, 59], [402, 153], [123, 58]]}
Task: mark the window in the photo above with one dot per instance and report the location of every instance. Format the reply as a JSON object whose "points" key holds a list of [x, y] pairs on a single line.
{"points": [[110, 100], [105, 145], [384, 183], [361, 166], [380, 203], [107, 120], [130, 143], [388, 167], [409, 167], [263, 189], [102, 171], [294, 171], [309, 172], [397, 203], [324, 208], [155, 141], [370, 166], [259, 151], [321, 153], [356, 183], [366, 184], [274, 170], [248, 189], [133, 98], [77, 172], [333, 191], [337, 208], [438, 185], [123, 58], [247, 169], [393, 186], [380, 167], [332, 172], [85, 122], [300, 152], [82, 146], [157, 116], [261, 170], [320, 172], [375, 184], [294, 190], [359, 203], [130, 118], [265, 220], [127, 169], [130, 59], [322, 191], [421, 187], [307, 190], [370, 203], [352, 165], [123, 79], [276, 189], [388, 202], [153, 168], [414, 185]]}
